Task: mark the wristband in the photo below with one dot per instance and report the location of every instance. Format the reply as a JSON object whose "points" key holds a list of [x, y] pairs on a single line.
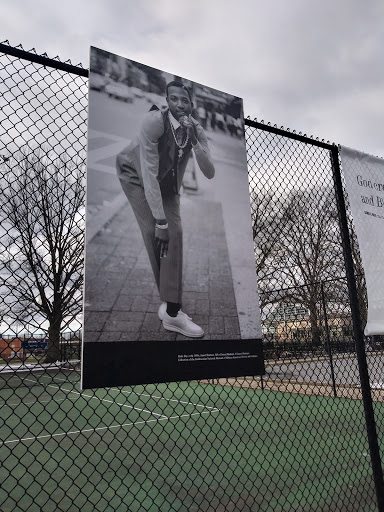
{"points": [[162, 226]]}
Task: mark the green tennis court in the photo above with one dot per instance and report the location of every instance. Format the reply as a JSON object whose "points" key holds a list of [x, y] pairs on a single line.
{"points": [[178, 447]]}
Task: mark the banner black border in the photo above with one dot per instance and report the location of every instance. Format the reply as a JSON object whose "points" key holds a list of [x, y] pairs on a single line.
{"points": [[108, 364]]}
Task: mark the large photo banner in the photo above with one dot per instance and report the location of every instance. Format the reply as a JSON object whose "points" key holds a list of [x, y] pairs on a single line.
{"points": [[170, 275], [364, 179]]}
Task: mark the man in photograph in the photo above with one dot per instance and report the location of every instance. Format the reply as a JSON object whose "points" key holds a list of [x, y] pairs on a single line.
{"points": [[151, 171]]}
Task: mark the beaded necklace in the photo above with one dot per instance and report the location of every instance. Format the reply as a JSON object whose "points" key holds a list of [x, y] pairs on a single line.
{"points": [[180, 146]]}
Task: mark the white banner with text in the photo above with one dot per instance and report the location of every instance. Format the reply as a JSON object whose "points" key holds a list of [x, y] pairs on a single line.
{"points": [[364, 179]]}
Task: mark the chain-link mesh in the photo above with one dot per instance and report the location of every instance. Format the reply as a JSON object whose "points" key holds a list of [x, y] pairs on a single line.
{"points": [[307, 320], [293, 440]]}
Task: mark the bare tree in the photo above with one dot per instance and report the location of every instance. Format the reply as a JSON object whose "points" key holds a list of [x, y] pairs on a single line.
{"points": [[268, 224], [298, 246], [42, 200], [312, 249]]}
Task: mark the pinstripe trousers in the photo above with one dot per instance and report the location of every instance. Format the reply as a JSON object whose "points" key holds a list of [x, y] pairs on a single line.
{"points": [[168, 271]]}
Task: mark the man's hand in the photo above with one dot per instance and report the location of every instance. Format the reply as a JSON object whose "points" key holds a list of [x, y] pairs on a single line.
{"points": [[187, 123], [162, 239]]}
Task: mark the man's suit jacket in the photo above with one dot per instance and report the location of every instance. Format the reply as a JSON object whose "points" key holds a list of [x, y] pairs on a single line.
{"points": [[152, 155]]}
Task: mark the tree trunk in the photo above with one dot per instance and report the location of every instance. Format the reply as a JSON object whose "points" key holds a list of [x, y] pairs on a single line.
{"points": [[314, 321], [53, 351], [362, 298]]}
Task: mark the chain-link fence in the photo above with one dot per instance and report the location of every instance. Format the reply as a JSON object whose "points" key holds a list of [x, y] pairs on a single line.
{"points": [[294, 440]]}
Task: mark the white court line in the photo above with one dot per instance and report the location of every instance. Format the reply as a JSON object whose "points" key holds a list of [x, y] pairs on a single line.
{"points": [[39, 401], [155, 396], [72, 432], [168, 399], [61, 380], [101, 399]]}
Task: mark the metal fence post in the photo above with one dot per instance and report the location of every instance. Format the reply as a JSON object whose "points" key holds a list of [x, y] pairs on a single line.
{"points": [[328, 341], [358, 335]]}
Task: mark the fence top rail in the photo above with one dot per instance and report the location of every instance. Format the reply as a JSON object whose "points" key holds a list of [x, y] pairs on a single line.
{"points": [[43, 60], [80, 71], [286, 133]]}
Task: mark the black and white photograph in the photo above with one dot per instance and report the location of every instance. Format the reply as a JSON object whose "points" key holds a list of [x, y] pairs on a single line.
{"points": [[169, 249]]}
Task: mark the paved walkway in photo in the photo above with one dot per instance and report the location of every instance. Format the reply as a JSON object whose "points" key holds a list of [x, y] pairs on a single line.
{"points": [[121, 299]]}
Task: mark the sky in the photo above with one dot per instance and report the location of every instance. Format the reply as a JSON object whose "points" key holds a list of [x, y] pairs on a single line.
{"points": [[313, 67]]}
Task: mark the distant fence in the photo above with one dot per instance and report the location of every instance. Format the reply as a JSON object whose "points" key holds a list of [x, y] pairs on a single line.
{"points": [[282, 442]]}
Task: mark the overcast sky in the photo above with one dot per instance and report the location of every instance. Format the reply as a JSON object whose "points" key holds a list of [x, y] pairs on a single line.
{"points": [[317, 67]]}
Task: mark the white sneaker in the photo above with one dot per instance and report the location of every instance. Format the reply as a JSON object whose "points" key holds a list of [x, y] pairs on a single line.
{"points": [[163, 310], [182, 324]]}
